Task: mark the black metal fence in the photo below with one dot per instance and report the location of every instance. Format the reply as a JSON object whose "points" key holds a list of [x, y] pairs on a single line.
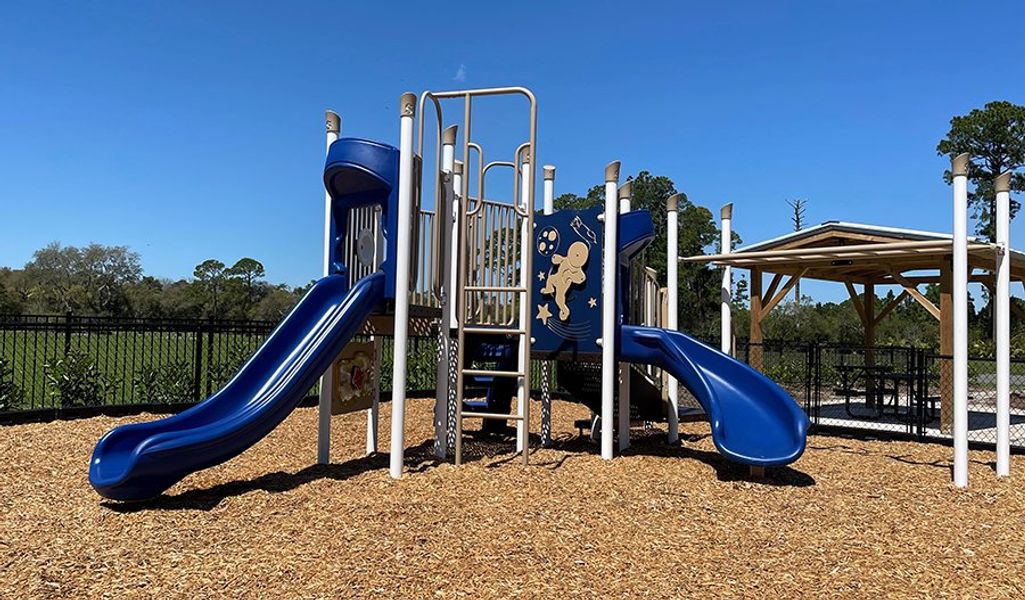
{"points": [[62, 364], [888, 389], [53, 366]]}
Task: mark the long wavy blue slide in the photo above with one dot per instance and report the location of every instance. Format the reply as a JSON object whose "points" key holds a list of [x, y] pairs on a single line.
{"points": [[754, 421], [142, 460]]}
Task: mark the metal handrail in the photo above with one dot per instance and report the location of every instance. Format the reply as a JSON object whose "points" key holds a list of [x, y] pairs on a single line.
{"points": [[443, 212]]}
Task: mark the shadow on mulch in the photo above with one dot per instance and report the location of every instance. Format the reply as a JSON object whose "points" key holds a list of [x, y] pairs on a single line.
{"points": [[654, 445], [942, 464], [725, 470], [277, 482], [476, 447]]}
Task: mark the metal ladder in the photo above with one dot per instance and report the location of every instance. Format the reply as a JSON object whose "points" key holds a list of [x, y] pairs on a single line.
{"points": [[517, 330]]}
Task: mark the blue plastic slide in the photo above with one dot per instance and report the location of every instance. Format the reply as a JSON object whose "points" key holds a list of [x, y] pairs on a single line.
{"points": [[754, 421], [142, 460]]}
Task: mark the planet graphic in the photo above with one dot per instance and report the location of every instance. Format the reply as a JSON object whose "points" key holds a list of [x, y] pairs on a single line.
{"points": [[548, 241]]}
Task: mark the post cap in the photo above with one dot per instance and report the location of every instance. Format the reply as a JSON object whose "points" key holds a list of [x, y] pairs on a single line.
{"points": [[525, 154], [959, 165], [448, 137], [624, 190], [457, 167], [334, 122], [407, 105], [549, 172], [612, 172], [727, 211], [1003, 182], [673, 202]]}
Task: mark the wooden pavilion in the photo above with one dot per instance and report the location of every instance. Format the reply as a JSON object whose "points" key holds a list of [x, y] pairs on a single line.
{"points": [[867, 256]]}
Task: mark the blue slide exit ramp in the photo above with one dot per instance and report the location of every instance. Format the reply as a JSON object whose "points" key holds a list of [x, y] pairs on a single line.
{"points": [[754, 421], [142, 460]]}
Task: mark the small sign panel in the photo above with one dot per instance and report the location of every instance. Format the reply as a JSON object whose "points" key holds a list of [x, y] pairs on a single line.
{"points": [[355, 378]]}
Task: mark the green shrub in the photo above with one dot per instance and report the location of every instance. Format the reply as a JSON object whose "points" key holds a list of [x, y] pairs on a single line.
{"points": [[223, 370], [11, 395], [165, 384], [786, 370], [76, 380]]}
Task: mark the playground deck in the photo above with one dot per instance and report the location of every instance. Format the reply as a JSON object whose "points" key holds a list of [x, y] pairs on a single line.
{"points": [[853, 518]]}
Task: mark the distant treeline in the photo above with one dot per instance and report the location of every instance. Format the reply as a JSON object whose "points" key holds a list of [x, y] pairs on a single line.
{"points": [[109, 281]]}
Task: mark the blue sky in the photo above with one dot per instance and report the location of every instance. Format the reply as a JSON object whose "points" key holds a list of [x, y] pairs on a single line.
{"points": [[191, 130]]}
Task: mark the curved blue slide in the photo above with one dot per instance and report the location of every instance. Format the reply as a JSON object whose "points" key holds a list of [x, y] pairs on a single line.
{"points": [[142, 460], [754, 421]]}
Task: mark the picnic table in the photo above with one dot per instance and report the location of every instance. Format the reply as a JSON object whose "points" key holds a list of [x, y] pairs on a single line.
{"points": [[873, 377]]}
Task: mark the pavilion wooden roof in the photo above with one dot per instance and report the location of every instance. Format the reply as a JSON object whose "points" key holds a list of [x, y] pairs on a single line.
{"points": [[859, 253]]}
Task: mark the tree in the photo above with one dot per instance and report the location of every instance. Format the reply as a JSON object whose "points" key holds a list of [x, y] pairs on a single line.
{"points": [[277, 300], [994, 137], [247, 272], [12, 302], [698, 284], [210, 277], [798, 206], [107, 271], [108, 281], [90, 279], [595, 197]]}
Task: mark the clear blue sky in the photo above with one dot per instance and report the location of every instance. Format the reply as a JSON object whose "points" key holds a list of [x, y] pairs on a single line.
{"points": [[190, 130]]}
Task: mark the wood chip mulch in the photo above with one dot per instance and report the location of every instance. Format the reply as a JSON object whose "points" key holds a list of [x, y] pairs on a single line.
{"points": [[851, 518]]}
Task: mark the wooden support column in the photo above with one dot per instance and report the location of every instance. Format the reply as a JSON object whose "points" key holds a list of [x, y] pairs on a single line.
{"points": [[868, 305], [755, 337], [855, 300], [946, 346]]}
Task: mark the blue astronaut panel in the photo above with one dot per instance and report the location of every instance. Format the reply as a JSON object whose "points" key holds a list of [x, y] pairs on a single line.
{"points": [[565, 302]]}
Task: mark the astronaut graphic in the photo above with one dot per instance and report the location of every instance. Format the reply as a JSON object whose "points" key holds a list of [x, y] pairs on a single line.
{"points": [[570, 271]]}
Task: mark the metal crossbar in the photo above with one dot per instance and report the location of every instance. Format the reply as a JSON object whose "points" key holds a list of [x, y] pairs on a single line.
{"points": [[494, 330], [491, 373], [482, 415]]}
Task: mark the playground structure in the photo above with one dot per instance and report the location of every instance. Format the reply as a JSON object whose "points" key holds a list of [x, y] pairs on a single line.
{"points": [[500, 285]]}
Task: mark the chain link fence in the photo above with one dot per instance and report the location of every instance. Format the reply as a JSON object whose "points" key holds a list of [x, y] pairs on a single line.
{"points": [[887, 389]]}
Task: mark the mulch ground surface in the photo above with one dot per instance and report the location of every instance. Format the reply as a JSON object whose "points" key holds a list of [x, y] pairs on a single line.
{"points": [[851, 518]]}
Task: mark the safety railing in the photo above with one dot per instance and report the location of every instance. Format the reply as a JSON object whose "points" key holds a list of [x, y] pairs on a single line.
{"points": [[366, 222], [493, 248], [425, 260]]}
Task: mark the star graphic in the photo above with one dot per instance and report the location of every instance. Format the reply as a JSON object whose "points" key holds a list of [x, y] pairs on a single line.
{"points": [[540, 275], [543, 314], [592, 302]]}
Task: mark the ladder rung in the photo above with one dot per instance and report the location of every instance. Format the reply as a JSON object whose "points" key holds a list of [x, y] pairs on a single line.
{"points": [[480, 415], [488, 372], [494, 288], [494, 330]]}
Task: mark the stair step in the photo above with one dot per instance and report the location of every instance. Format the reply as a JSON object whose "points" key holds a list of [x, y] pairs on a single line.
{"points": [[494, 330], [494, 288], [485, 415], [490, 373]]}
